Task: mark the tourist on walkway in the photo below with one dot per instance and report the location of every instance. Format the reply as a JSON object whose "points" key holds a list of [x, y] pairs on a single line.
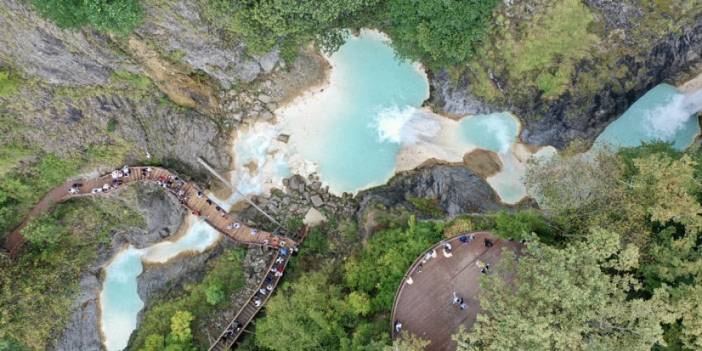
{"points": [[398, 326], [483, 266], [488, 243], [257, 302], [447, 249]]}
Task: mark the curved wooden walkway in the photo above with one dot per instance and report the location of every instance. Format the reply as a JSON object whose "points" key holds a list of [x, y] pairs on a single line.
{"points": [[192, 198], [424, 300], [189, 194]]}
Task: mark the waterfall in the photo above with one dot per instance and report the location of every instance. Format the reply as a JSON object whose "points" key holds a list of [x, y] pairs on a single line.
{"points": [[404, 126], [666, 120]]}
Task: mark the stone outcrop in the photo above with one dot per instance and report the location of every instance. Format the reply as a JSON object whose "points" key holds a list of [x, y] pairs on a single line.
{"points": [[40, 49], [178, 30], [668, 59], [163, 216], [456, 189]]}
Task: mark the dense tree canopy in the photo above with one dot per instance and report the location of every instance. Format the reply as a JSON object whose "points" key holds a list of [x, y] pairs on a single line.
{"points": [[574, 298], [263, 24], [346, 307], [650, 194], [440, 33]]}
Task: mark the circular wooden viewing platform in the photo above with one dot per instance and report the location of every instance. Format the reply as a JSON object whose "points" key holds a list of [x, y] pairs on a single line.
{"points": [[424, 303]]}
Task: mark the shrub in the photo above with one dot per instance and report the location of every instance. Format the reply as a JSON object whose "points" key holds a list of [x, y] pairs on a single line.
{"points": [[8, 83], [110, 16]]}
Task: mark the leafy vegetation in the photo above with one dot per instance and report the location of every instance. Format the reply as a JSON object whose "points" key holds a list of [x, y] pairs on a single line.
{"points": [[427, 207], [344, 306], [264, 24], [41, 285], [537, 54], [9, 83], [22, 187], [571, 298], [625, 275], [439, 33], [110, 16], [168, 320]]}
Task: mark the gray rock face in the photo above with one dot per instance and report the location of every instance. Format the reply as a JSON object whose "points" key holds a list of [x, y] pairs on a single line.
{"points": [[176, 27], [454, 98], [457, 189], [560, 121], [162, 214], [41, 49], [82, 330], [568, 118]]}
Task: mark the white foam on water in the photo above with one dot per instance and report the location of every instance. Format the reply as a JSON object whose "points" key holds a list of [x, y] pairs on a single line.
{"points": [[667, 119], [404, 126]]}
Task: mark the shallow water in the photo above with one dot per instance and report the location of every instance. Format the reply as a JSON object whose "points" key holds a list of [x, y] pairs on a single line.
{"points": [[119, 300], [663, 113], [338, 129], [495, 132]]}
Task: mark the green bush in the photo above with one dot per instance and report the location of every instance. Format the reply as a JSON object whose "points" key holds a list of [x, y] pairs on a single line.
{"points": [[344, 304], [223, 278], [110, 16], [8, 83], [439, 33]]}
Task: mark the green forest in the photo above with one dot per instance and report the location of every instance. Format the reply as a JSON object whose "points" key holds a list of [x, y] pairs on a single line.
{"points": [[612, 263], [614, 248]]}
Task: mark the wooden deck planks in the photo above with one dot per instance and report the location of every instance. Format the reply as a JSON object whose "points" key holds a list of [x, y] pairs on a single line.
{"points": [[425, 307], [209, 212]]}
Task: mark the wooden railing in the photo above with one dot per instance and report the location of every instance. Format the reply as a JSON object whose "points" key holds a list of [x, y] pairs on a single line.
{"points": [[241, 320], [413, 267], [189, 194]]}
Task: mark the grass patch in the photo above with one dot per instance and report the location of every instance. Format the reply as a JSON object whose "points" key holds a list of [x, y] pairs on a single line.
{"points": [[137, 81], [22, 187], [426, 206], [538, 54], [9, 83]]}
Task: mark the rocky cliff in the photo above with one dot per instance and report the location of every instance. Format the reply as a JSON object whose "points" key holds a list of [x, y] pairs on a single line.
{"points": [[172, 91], [163, 216], [637, 50], [456, 190]]}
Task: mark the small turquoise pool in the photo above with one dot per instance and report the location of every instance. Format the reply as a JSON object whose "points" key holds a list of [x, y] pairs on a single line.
{"points": [[663, 113]]}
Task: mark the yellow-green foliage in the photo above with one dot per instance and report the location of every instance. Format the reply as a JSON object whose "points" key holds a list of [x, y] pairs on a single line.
{"points": [[539, 53], [138, 81], [8, 83], [224, 278]]}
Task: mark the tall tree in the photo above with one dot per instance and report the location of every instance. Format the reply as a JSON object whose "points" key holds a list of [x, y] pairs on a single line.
{"points": [[572, 298]]}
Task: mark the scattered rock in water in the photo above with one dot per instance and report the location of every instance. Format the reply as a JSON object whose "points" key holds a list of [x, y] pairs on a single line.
{"points": [[483, 162], [283, 138]]}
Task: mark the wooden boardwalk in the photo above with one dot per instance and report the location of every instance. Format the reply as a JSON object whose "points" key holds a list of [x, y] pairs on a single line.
{"points": [[238, 325], [424, 301], [189, 194], [192, 198]]}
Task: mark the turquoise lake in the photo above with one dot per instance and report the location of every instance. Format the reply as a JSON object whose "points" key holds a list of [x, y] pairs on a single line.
{"points": [[663, 113], [368, 83], [119, 300], [495, 132]]}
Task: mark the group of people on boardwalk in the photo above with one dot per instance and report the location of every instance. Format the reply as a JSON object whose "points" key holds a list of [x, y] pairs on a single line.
{"points": [[447, 248]]}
